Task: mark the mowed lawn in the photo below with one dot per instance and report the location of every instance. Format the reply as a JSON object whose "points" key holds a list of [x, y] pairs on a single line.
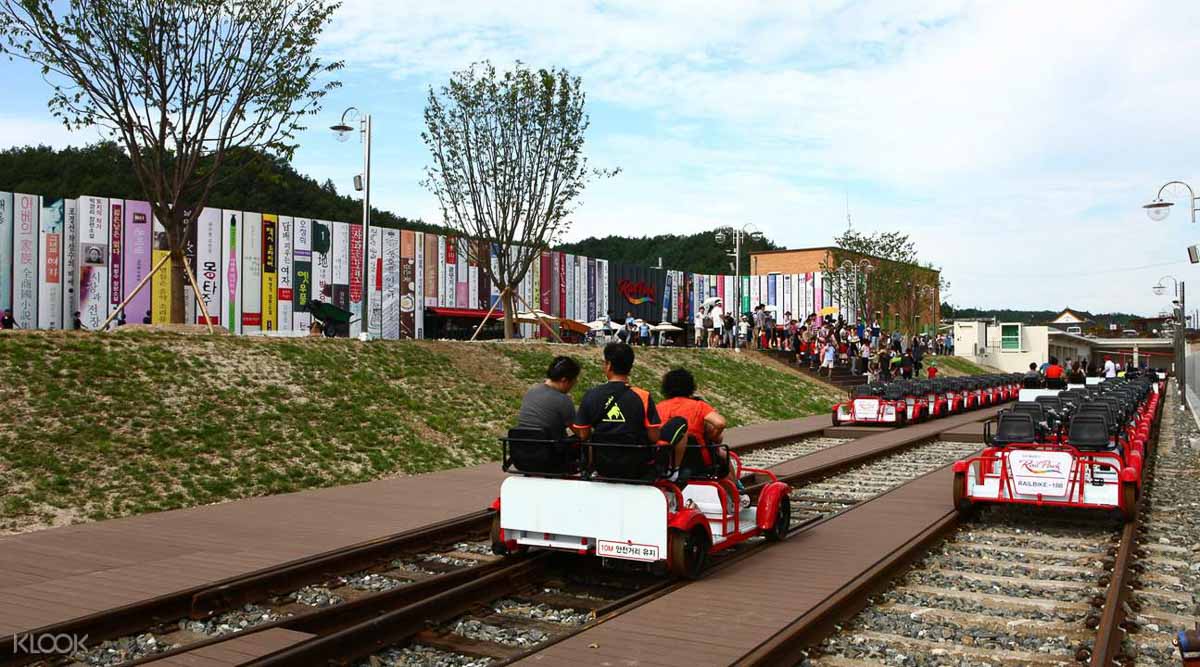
{"points": [[98, 426]]}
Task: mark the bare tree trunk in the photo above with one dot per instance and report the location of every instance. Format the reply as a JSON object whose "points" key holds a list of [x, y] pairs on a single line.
{"points": [[509, 313], [178, 281]]}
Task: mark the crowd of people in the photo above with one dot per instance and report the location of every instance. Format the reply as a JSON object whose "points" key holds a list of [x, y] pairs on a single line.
{"points": [[618, 411], [1052, 374], [824, 343]]}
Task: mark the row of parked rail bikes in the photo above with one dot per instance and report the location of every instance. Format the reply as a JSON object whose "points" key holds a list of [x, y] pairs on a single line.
{"points": [[627, 501], [1080, 447], [907, 401]]}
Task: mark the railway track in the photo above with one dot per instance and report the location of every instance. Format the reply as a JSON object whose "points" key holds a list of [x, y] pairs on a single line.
{"points": [[384, 572], [405, 578], [1034, 586], [499, 626], [1166, 588]]}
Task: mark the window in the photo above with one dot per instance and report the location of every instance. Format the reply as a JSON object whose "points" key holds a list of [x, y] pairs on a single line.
{"points": [[1010, 337]]}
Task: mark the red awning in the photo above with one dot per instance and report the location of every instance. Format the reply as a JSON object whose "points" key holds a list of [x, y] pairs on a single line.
{"points": [[465, 312]]}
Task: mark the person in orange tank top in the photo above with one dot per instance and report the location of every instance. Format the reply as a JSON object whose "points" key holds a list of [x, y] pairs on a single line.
{"points": [[705, 426]]}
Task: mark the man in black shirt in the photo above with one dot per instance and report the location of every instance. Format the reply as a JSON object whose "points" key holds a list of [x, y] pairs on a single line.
{"points": [[616, 411]]}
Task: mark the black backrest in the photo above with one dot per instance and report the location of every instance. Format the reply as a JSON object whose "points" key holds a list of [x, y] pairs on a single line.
{"points": [[1014, 427], [533, 451], [1034, 410], [622, 459], [1056, 383], [1103, 410], [1089, 432]]}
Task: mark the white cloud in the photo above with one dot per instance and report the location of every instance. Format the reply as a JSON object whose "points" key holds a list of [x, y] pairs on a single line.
{"points": [[1010, 139]]}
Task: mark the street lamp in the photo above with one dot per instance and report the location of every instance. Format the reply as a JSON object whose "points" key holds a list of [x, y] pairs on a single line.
{"points": [[1158, 209], [928, 291], [1180, 325], [735, 235], [362, 182], [866, 267]]}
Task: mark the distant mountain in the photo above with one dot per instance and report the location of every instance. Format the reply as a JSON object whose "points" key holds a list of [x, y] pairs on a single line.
{"points": [[257, 183], [1032, 316], [698, 253]]}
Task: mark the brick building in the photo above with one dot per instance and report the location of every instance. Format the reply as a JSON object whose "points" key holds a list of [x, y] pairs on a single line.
{"points": [[901, 295]]}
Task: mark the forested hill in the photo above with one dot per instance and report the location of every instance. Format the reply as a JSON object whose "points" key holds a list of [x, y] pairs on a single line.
{"points": [[699, 253], [263, 184], [1031, 316], [259, 184]]}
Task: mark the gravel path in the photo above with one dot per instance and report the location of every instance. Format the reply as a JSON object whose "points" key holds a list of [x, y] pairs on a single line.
{"points": [[765, 458], [1168, 599], [849, 488]]}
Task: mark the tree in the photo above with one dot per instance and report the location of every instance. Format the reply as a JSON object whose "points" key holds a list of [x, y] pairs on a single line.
{"points": [[508, 164], [180, 84], [893, 283]]}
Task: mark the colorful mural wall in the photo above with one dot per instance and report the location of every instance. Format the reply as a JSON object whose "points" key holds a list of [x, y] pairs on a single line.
{"points": [[260, 272]]}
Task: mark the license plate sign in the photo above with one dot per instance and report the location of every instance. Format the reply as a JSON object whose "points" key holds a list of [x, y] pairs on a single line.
{"points": [[1038, 472], [866, 407], [642, 552]]}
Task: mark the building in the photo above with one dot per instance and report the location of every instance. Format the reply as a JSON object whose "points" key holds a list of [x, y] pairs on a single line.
{"points": [[902, 296], [1012, 346], [1070, 320]]}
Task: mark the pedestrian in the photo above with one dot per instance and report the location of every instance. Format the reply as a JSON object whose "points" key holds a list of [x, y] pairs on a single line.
{"points": [[933, 370], [830, 355], [8, 321], [76, 323], [698, 325], [644, 333], [147, 319], [716, 316]]}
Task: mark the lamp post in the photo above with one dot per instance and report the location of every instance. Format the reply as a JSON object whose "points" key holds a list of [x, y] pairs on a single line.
{"points": [[1158, 209], [1180, 325], [928, 291], [735, 235], [363, 183], [866, 267]]}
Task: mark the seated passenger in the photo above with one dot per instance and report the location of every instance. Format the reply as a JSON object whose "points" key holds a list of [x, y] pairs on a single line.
{"points": [[705, 426], [617, 411], [547, 405], [1054, 370], [1077, 376], [1032, 379]]}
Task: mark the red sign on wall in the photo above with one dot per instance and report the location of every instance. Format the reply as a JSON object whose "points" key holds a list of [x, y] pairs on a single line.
{"points": [[636, 293]]}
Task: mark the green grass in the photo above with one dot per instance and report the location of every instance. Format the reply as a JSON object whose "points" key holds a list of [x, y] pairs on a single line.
{"points": [[961, 366], [102, 426]]}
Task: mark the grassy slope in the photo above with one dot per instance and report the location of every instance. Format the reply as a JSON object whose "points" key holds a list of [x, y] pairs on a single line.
{"points": [[951, 366], [105, 426]]}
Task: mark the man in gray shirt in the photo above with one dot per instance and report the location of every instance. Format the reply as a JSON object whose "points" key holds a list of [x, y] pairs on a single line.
{"points": [[548, 405]]}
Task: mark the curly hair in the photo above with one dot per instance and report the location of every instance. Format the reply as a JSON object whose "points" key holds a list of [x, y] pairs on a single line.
{"points": [[678, 383]]}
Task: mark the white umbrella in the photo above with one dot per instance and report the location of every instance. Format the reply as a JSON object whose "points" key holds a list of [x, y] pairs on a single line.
{"points": [[665, 326], [771, 308], [710, 302], [598, 325]]}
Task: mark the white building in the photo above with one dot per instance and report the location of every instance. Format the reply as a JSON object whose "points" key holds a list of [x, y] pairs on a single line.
{"points": [[1012, 346]]}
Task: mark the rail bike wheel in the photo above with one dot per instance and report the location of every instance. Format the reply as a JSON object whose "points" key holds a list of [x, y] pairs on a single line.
{"points": [[783, 520], [688, 552], [1129, 500], [960, 493]]}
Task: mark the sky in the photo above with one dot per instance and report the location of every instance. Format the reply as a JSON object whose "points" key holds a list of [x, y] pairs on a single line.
{"points": [[1015, 142]]}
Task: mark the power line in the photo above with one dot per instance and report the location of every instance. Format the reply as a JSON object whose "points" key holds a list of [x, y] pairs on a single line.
{"points": [[1070, 274]]}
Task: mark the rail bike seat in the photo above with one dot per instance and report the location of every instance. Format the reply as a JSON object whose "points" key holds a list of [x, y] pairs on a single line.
{"points": [[1090, 432], [704, 461], [622, 459], [1056, 383], [1032, 381], [1013, 428], [533, 451]]}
